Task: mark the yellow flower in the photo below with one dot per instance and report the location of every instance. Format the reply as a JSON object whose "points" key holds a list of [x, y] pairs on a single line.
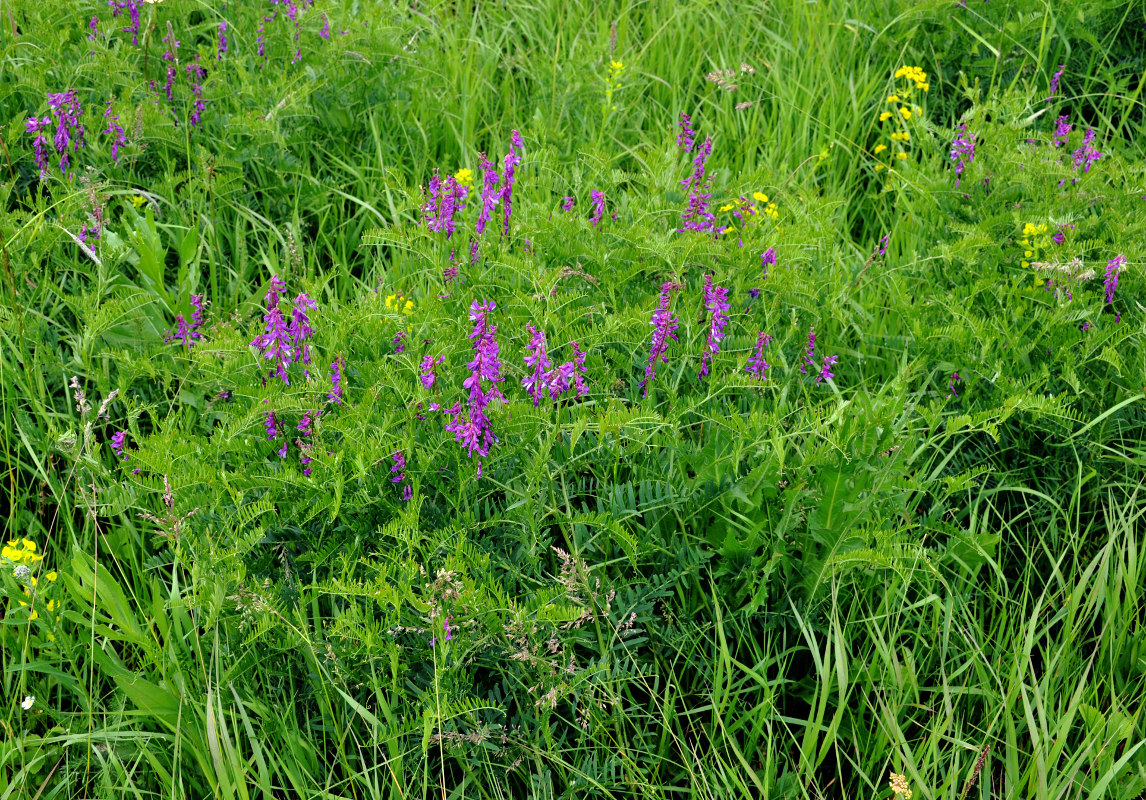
{"points": [[885, 116], [901, 155], [924, 86], [729, 229], [51, 576], [51, 605], [409, 306], [891, 98], [390, 298], [906, 112], [464, 176], [760, 197], [1028, 253], [137, 200], [879, 148], [727, 207], [878, 167], [616, 66], [29, 545], [1026, 263]]}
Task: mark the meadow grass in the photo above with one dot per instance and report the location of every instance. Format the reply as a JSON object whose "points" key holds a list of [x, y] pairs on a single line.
{"points": [[906, 557]]}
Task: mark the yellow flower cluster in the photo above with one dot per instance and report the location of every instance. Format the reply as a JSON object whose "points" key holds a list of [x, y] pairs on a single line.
{"points": [[613, 82], [743, 209], [913, 78], [1034, 239], [464, 176], [21, 551], [398, 302]]}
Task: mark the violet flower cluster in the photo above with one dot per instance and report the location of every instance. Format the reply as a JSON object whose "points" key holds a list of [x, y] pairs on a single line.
{"points": [[221, 47], [444, 201], [171, 55], [1085, 156], [66, 108], [117, 444], [1062, 129], [284, 343], [598, 198], [767, 259], [187, 333], [809, 352], [954, 379], [826, 370], [1110, 282], [1054, 81], [119, 138], [490, 194], [512, 160], [335, 395], [664, 328], [305, 428], [472, 427], [716, 302], [398, 470], [196, 74], [544, 378], [685, 136], [568, 203], [426, 371], [757, 364], [698, 217], [962, 150], [132, 9]]}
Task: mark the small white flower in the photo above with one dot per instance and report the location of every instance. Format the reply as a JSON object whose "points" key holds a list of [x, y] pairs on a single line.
{"points": [[29, 701], [21, 571]]}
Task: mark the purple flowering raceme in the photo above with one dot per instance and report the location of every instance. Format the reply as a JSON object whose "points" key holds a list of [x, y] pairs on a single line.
{"points": [[698, 217], [579, 386], [261, 38], [119, 139], [826, 370], [598, 198], [196, 74], [512, 160], [69, 129], [91, 230], [1054, 81], [39, 144], [1110, 283], [276, 343], [767, 259], [324, 31], [335, 395], [186, 334], [171, 55], [810, 351], [426, 370], [664, 328], [1085, 156], [118, 441], [399, 342], [962, 150], [132, 9], [473, 252], [757, 364], [221, 47], [399, 467], [305, 427], [472, 427], [954, 379], [568, 203], [300, 329], [716, 302], [685, 136], [1062, 129], [93, 29], [537, 359], [490, 194]]}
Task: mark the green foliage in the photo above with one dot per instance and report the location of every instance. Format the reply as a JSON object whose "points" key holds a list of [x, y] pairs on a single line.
{"points": [[929, 564]]}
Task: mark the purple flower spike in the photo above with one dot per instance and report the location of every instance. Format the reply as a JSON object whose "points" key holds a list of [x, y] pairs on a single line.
{"points": [[664, 328], [490, 195], [811, 351], [512, 160], [1111, 276], [757, 364], [954, 379], [113, 128], [697, 216], [716, 302], [335, 395], [473, 431], [132, 9], [1054, 81], [221, 47], [276, 343], [39, 144], [579, 374], [538, 362], [398, 470], [826, 371], [69, 129], [568, 203], [93, 28], [685, 136], [767, 259], [118, 440], [300, 329], [598, 198], [271, 426], [962, 151], [277, 287], [427, 371], [1085, 156], [324, 32], [1062, 130], [305, 428]]}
